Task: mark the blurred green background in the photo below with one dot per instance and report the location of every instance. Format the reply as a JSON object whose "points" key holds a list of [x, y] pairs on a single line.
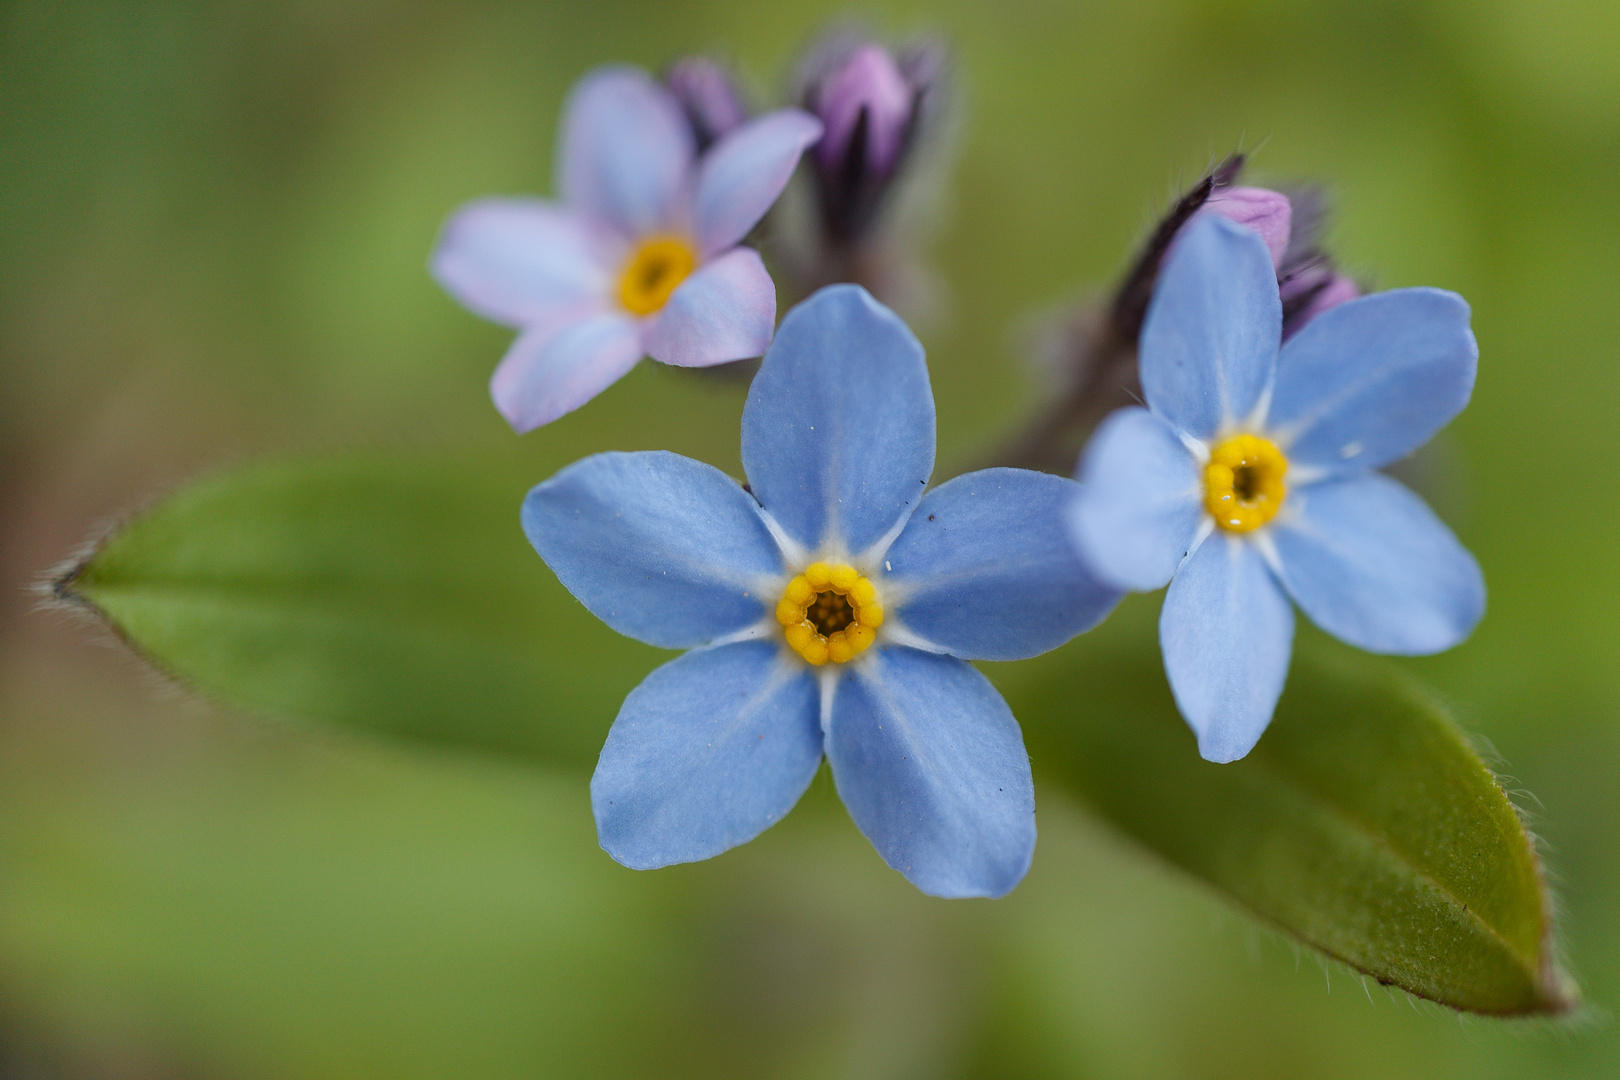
{"points": [[214, 220]]}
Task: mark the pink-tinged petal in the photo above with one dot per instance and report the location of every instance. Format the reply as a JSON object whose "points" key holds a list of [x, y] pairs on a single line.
{"points": [[523, 261], [742, 175], [626, 151], [551, 370], [1268, 213], [724, 312]]}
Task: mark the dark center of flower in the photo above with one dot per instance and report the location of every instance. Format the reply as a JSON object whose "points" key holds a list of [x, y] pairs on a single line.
{"points": [[1243, 482], [1246, 482], [654, 271], [830, 612]]}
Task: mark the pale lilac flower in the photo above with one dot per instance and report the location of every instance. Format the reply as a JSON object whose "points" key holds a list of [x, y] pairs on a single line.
{"points": [[639, 256]]}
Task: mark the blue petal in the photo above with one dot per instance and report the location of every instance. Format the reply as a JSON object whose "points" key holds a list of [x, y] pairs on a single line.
{"points": [[555, 367], [1227, 632], [725, 311], [986, 570], [1369, 562], [519, 261], [707, 753], [626, 151], [932, 766], [662, 548], [1371, 380], [1209, 344], [838, 432], [1140, 501], [742, 174]]}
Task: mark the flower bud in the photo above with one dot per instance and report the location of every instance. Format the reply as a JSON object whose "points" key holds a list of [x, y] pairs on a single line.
{"points": [[873, 105], [1290, 225], [1310, 293], [708, 96], [865, 101], [1268, 213]]}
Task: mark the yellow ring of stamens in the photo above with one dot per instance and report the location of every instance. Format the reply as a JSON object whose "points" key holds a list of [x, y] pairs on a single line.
{"points": [[1243, 482], [829, 612], [653, 271]]}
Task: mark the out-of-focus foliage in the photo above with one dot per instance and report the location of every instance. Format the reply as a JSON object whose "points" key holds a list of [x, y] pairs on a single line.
{"points": [[213, 225]]}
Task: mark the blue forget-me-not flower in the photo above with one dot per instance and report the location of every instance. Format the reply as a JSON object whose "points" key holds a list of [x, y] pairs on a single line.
{"points": [[830, 608], [1250, 478], [640, 258]]}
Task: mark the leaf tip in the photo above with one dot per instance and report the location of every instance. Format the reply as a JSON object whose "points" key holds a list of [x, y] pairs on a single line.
{"points": [[58, 588], [1557, 994]]}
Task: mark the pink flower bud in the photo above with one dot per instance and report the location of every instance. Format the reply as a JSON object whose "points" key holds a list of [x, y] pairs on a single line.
{"points": [[1334, 292], [1268, 213]]}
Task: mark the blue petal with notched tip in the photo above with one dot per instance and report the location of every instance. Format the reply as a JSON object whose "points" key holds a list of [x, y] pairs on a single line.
{"points": [[838, 431], [1209, 341], [1370, 563], [931, 764], [987, 571], [1373, 379], [662, 548], [1227, 632], [707, 753]]}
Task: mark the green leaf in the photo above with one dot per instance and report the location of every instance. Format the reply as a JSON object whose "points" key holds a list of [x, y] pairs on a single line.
{"points": [[1362, 824], [392, 594]]}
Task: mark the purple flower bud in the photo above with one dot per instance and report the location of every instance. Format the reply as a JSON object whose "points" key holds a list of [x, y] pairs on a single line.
{"points": [[708, 96], [1308, 295], [868, 84], [1268, 213], [875, 107]]}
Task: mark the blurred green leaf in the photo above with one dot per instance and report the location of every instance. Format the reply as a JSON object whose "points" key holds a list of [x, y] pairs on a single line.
{"points": [[390, 594], [299, 912], [1362, 824], [287, 907]]}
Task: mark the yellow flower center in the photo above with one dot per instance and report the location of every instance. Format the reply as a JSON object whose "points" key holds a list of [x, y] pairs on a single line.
{"points": [[1243, 482], [829, 612], [653, 271]]}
